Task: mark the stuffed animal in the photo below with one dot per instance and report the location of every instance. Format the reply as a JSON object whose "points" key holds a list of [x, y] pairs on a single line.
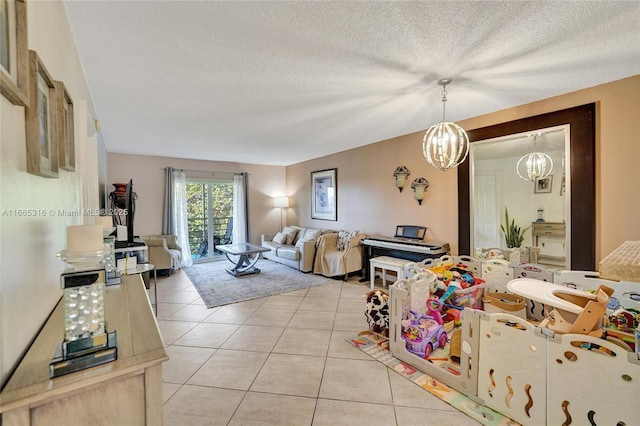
{"points": [[377, 311]]}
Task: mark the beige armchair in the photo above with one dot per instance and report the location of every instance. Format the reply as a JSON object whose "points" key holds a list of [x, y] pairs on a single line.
{"points": [[332, 262], [164, 252]]}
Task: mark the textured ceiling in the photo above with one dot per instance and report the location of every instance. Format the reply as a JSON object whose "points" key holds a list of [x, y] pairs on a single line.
{"points": [[282, 82]]}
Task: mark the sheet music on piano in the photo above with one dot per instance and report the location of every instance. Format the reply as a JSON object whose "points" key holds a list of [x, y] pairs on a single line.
{"points": [[411, 232]]}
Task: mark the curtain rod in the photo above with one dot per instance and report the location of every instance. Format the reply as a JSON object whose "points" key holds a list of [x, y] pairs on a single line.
{"points": [[205, 171]]}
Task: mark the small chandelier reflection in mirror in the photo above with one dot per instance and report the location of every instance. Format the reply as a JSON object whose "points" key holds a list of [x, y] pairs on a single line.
{"points": [[535, 165], [445, 144]]}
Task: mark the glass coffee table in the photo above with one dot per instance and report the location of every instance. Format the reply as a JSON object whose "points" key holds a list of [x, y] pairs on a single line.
{"points": [[249, 256]]}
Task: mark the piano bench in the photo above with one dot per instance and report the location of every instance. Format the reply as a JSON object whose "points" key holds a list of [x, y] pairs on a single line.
{"points": [[386, 263]]}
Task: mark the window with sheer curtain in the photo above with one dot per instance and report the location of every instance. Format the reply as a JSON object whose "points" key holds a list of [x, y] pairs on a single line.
{"points": [[175, 215]]}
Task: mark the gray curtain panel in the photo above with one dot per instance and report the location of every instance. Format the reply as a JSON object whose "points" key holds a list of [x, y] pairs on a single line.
{"points": [[168, 225]]}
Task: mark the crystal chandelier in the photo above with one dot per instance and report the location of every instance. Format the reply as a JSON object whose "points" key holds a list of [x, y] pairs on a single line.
{"points": [[535, 165], [445, 144]]}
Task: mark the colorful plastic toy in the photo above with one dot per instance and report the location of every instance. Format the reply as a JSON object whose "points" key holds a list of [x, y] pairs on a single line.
{"points": [[423, 334]]}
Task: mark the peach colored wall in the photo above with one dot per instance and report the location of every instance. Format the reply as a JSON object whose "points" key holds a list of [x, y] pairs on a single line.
{"points": [[265, 182], [368, 200]]}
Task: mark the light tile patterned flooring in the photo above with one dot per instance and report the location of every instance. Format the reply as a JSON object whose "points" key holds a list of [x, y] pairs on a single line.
{"points": [[282, 360]]}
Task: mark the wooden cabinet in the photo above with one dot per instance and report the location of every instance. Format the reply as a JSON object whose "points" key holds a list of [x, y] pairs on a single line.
{"points": [[554, 233], [127, 391]]}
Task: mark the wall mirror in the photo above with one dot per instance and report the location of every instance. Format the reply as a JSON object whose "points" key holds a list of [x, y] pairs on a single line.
{"points": [[499, 183], [569, 135]]}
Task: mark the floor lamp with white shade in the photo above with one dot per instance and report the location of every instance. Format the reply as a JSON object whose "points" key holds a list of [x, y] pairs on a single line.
{"points": [[282, 203]]}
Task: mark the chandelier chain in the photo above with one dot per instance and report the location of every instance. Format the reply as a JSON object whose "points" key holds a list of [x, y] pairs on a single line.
{"points": [[444, 101]]}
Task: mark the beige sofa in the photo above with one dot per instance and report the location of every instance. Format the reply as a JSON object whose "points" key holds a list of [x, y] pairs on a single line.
{"points": [[164, 252], [299, 253]]}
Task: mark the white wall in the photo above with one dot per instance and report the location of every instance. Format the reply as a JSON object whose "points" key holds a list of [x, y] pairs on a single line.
{"points": [[29, 268], [518, 195]]}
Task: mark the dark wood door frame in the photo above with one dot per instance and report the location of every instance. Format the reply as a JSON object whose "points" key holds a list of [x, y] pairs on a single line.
{"points": [[582, 154]]}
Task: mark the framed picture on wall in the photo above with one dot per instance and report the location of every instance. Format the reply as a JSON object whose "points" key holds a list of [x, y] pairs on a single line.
{"points": [[543, 185], [66, 140], [324, 194], [14, 52], [40, 120]]}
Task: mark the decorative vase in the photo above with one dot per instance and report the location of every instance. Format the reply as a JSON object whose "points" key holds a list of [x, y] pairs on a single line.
{"points": [[117, 196]]}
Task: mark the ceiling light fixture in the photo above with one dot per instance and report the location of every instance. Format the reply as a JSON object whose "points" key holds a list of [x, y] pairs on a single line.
{"points": [[535, 165], [445, 144]]}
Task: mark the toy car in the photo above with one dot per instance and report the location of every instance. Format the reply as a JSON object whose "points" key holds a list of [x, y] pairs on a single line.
{"points": [[423, 334]]}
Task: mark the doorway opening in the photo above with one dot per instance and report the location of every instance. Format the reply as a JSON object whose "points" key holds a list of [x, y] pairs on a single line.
{"points": [[209, 217]]}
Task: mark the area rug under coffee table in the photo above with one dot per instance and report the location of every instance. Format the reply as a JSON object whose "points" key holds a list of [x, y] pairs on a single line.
{"points": [[217, 287], [377, 346]]}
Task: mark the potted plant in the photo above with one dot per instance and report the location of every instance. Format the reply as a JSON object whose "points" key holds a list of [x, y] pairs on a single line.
{"points": [[513, 234]]}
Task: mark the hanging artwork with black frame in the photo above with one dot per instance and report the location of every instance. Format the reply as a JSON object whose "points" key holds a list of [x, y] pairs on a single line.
{"points": [[14, 52], [66, 139], [324, 194], [41, 122], [543, 186]]}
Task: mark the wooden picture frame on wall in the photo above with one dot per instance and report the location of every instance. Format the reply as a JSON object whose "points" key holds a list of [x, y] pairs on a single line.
{"points": [[324, 194], [14, 52], [65, 128], [41, 122]]}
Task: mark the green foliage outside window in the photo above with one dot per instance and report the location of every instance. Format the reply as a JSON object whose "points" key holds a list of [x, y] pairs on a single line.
{"points": [[199, 194]]}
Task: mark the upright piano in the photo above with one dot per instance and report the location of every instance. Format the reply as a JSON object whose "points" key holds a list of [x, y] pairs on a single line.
{"points": [[411, 248]]}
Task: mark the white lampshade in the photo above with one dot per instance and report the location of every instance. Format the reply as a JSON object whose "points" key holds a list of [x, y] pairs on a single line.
{"points": [[84, 238], [105, 221], [281, 202]]}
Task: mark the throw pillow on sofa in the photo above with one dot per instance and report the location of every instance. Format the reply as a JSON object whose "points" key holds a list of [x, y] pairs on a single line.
{"points": [[280, 238], [290, 233], [309, 235], [343, 239]]}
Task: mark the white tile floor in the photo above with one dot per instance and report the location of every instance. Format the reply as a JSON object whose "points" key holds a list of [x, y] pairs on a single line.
{"points": [[282, 360]]}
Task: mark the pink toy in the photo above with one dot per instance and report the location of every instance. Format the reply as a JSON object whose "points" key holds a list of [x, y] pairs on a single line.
{"points": [[434, 306]]}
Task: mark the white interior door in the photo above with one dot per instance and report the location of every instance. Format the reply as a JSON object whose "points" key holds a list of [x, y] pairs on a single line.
{"points": [[487, 216]]}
